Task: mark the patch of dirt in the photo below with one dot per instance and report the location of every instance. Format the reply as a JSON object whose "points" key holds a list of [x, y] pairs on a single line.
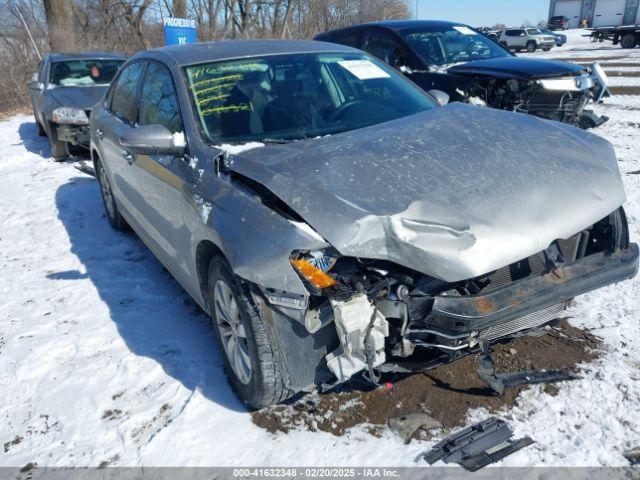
{"points": [[111, 414], [7, 445], [446, 392], [625, 90]]}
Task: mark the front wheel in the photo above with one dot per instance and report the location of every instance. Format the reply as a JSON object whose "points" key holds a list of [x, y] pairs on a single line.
{"points": [[546, 49], [41, 131], [249, 358], [531, 47]]}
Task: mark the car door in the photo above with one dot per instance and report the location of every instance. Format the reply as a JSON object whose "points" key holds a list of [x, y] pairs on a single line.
{"points": [[520, 38], [36, 90], [113, 123], [159, 179]]}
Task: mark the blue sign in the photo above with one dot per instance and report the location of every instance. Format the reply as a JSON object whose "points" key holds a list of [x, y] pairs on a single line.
{"points": [[179, 31]]}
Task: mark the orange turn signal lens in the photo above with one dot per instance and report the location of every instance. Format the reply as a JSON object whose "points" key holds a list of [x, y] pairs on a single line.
{"points": [[314, 275]]}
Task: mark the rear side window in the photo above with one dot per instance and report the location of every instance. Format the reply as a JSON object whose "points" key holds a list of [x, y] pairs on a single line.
{"points": [[513, 33], [158, 99], [123, 99], [382, 46], [350, 39]]}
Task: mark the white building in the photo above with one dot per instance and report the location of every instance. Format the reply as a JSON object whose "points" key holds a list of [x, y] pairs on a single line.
{"points": [[598, 13]]}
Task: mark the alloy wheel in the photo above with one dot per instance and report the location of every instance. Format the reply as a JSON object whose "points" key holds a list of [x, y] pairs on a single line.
{"points": [[232, 331]]}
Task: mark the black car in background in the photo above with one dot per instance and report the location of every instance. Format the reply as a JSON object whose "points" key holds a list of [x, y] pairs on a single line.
{"points": [[472, 68], [558, 23], [63, 91]]}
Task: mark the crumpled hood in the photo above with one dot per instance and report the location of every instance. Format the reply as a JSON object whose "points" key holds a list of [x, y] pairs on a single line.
{"points": [[454, 192], [77, 97], [518, 67]]}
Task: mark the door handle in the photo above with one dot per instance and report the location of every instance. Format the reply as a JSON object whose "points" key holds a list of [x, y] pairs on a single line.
{"points": [[128, 157], [99, 134]]}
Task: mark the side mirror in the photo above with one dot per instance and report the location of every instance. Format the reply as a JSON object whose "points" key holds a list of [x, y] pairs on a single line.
{"points": [[153, 140], [35, 85], [441, 97]]}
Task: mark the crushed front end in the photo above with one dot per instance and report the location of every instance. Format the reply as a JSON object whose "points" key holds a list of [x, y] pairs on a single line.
{"points": [[391, 318], [562, 99], [72, 126]]}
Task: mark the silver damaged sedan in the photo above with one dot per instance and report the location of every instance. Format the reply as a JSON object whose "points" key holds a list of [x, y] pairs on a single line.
{"points": [[337, 222]]}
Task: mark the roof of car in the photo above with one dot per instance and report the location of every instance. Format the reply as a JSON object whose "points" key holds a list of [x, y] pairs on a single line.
{"points": [[399, 25], [406, 24], [229, 49], [58, 57]]}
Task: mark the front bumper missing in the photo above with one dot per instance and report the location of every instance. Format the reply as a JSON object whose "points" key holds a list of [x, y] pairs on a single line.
{"points": [[456, 322], [74, 134]]}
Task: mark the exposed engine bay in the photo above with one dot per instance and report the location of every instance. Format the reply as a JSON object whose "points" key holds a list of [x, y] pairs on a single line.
{"points": [[384, 313], [559, 99]]}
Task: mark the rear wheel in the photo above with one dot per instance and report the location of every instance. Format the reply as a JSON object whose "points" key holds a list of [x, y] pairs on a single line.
{"points": [[546, 49], [113, 214], [628, 40], [249, 358], [531, 47]]}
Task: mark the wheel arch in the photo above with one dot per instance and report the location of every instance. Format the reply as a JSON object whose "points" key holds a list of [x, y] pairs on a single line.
{"points": [[205, 251]]}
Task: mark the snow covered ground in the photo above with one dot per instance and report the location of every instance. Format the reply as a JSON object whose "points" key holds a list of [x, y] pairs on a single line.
{"points": [[104, 359]]}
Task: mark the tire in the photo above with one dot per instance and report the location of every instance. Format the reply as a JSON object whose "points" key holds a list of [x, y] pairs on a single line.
{"points": [[531, 47], [546, 49], [504, 45], [609, 234], [620, 227], [116, 220], [58, 148], [628, 40], [517, 49], [41, 131], [243, 340]]}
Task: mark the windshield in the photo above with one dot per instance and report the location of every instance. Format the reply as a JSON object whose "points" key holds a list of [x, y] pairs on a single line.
{"points": [[289, 97], [533, 31], [85, 72], [445, 45]]}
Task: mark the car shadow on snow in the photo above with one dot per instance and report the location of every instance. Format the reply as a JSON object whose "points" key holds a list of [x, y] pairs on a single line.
{"points": [[155, 317], [32, 141]]}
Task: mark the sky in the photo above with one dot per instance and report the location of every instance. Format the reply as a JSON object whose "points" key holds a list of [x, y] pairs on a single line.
{"points": [[479, 13]]}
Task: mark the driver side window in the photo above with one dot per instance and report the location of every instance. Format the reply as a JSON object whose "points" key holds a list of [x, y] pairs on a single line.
{"points": [[158, 99], [384, 47]]}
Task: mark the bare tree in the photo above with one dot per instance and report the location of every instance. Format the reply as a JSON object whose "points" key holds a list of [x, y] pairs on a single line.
{"points": [[59, 22]]}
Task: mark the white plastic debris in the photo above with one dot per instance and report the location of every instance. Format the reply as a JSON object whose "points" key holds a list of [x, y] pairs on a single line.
{"points": [[352, 319]]}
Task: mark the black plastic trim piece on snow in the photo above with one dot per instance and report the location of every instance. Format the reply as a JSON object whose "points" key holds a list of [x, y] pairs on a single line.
{"points": [[474, 446]]}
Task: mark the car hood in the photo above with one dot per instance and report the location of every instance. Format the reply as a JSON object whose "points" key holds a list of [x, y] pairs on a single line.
{"points": [[518, 67], [77, 97], [454, 192]]}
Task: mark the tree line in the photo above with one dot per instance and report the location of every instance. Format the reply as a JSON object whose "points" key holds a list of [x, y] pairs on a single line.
{"points": [[31, 28]]}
